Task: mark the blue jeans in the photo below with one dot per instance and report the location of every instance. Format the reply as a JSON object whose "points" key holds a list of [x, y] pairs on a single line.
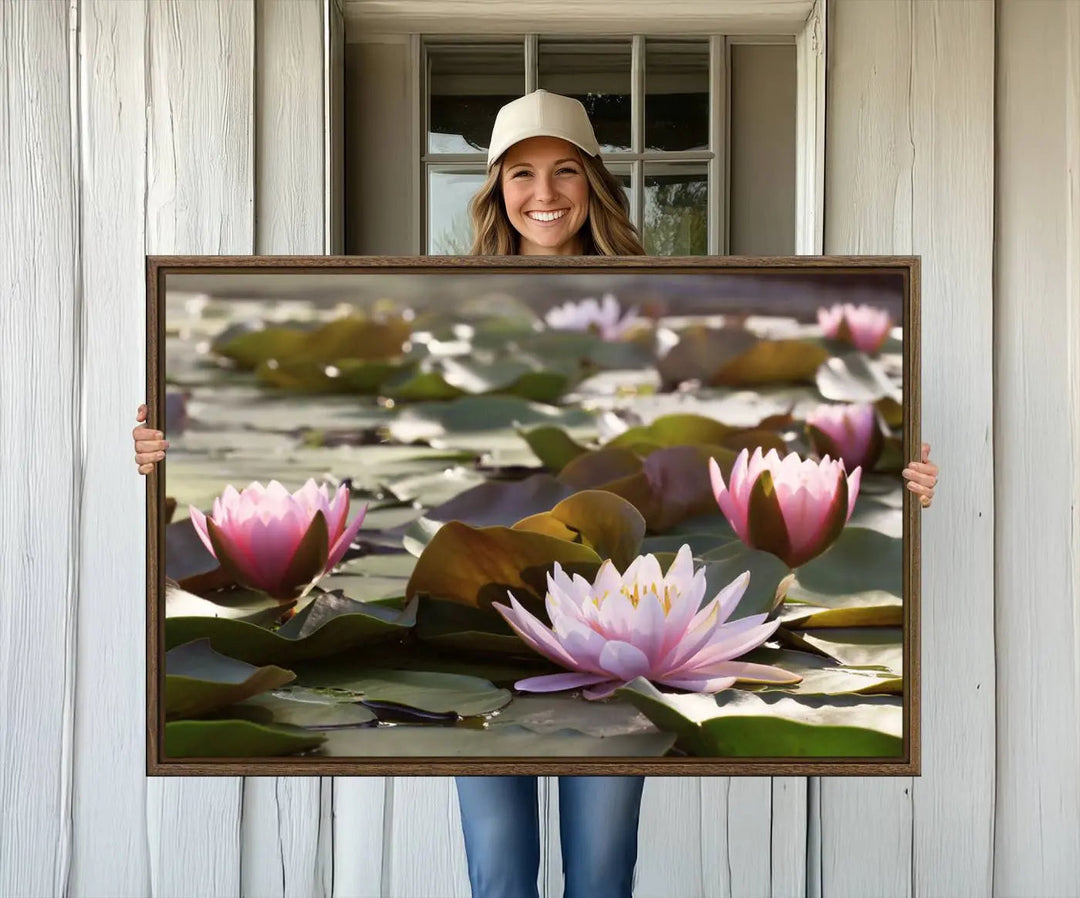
{"points": [[598, 829]]}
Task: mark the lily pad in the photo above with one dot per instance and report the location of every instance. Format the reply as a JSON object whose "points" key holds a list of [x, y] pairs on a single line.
{"points": [[602, 520], [236, 604], [553, 446], [476, 566], [235, 739], [300, 706], [855, 378], [352, 337], [858, 580], [824, 676], [198, 679], [463, 695], [330, 623], [490, 504], [737, 723], [770, 578], [877, 648], [471, 421]]}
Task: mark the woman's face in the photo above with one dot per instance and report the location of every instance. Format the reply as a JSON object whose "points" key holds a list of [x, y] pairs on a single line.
{"points": [[546, 195]]}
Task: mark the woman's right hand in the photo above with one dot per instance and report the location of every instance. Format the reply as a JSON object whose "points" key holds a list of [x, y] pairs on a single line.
{"points": [[149, 444]]}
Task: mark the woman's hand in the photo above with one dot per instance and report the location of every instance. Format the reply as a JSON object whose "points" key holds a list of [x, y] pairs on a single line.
{"points": [[149, 444], [922, 477]]}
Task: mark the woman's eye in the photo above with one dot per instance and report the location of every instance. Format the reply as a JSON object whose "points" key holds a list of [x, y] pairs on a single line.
{"points": [[520, 173], [567, 171]]}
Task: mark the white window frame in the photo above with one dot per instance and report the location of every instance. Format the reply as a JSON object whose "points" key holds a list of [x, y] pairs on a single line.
{"points": [[746, 21]]}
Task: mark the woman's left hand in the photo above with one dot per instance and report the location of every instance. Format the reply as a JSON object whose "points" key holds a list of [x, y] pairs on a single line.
{"points": [[922, 477]]}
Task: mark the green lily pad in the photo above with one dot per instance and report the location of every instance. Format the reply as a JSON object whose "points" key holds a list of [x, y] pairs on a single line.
{"points": [[474, 421], [736, 357], [198, 679], [737, 723], [824, 676], [476, 566], [235, 739], [328, 624], [877, 648], [303, 707], [770, 578], [352, 337], [460, 694], [856, 582], [236, 604], [553, 446]]}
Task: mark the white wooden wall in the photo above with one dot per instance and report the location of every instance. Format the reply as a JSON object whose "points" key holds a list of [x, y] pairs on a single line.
{"points": [[197, 127]]}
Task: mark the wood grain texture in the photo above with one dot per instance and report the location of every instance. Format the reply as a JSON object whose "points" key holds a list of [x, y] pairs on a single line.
{"points": [[953, 215], [41, 430], [423, 845], [199, 200], [281, 833], [109, 813], [910, 170], [868, 178], [576, 16], [1035, 442], [289, 127], [359, 810]]}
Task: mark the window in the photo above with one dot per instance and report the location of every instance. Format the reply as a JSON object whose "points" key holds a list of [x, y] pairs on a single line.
{"points": [[649, 102], [701, 130]]}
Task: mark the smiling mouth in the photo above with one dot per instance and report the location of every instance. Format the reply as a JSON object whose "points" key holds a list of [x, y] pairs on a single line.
{"points": [[547, 216]]}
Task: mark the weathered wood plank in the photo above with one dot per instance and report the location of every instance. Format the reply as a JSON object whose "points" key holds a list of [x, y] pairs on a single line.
{"points": [[109, 811], [424, 850], [910, 124], [41, 474], [289, 152], [281, 834], [868, 178], [199, 200], [1037, 448], [953, 214]]}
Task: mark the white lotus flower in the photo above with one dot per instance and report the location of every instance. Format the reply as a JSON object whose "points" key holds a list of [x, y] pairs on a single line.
{"points": [[643, 623]]}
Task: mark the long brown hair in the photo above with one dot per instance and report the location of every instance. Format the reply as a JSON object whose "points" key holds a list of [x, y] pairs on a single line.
{"points": [[607, 231]]}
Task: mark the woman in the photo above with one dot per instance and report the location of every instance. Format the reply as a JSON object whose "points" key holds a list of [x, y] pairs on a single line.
{"points": [[548, 193]]}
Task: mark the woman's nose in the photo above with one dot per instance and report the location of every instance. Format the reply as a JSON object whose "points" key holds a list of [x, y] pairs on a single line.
{"points": [[545, 187]]}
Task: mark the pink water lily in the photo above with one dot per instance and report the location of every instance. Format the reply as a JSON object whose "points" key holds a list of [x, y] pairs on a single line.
{"points": [[848, 432], [602, 317], [643, 623], [278, 542], [864, 326], [792, 507]]}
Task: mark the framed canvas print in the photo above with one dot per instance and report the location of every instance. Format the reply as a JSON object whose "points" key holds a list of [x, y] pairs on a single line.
{"points": [[547, 516]]}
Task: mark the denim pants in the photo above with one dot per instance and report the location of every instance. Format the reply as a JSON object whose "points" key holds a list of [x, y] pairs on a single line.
{"points": [[598, 829]]}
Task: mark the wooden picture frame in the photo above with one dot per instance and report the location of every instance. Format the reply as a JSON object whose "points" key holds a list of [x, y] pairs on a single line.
{"points": [[457, 341]]}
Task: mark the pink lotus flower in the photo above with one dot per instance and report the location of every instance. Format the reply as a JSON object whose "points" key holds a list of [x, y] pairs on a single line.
{"points": [[791, 507], [275, 541], [590, 315], [864, 326], [643, 623], [848, 432]]}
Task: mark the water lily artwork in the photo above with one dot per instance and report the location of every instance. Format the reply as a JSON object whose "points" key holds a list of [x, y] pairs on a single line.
{"points": [[469, 516]]}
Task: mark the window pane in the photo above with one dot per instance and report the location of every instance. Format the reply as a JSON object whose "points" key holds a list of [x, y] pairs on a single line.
{"points": [[468, 85], [676, 95], [598, 74], [676, 210], [449, 229]]}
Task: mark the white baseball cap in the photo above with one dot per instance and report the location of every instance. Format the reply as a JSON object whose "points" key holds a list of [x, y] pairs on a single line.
{"points": [[541, 114]]}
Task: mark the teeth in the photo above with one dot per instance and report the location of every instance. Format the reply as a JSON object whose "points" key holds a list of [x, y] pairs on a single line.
{"points": [[546, 216]]}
